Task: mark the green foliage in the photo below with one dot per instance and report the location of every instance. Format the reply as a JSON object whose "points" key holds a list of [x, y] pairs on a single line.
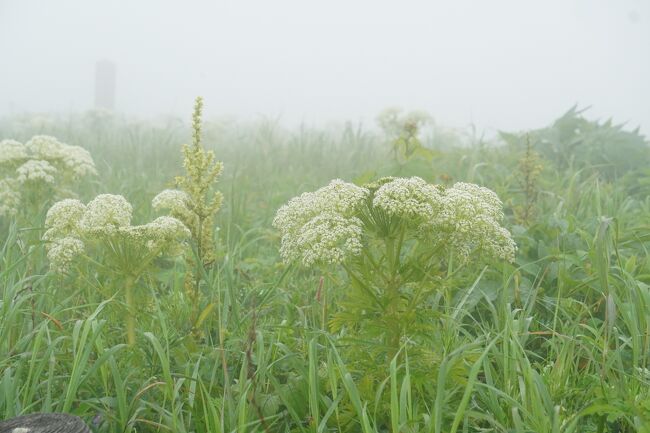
{"points": [[573, 142], [557, 342], [402, 131]]}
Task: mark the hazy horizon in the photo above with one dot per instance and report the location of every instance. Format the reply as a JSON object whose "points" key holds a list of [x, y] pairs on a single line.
{"points": [[497, 65]]}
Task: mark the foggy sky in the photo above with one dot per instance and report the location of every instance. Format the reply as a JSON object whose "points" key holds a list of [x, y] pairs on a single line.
{"points": [[506, 64]]}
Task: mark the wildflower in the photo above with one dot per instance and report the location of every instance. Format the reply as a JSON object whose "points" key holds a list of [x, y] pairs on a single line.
{"points": [[11, 151], [78, 161], [327, 238], [107, 217], [9, 198], [63, 218], [320, 226], [105, 214], [167, 233], [469, 221], [408, 198], [202, 201], [45, 147], [325, 226], [171, 199], [338, 197], [61, 253], [36, 170], [43, 159]]}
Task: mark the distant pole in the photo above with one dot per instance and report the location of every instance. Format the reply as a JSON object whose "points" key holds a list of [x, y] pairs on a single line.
{"points": [[105, 73]]}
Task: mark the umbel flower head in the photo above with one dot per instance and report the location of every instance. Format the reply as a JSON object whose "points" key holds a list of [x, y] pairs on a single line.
{"points": [[71, 226], [43, 164], [105, 214], [410, 198], [469, 221], [330, 225], [321, 226], [172, 200]]}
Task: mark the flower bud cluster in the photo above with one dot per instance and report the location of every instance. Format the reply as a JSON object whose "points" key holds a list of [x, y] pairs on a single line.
{"points": [[43, 160], [71, 225]]}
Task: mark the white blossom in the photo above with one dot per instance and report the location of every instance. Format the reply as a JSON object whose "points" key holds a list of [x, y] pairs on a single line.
{"points": [[36, 170], [9, 198], [45, 147], [167, 233], [409, 198], [325, 226], [61, 252], [320, 226], [70, 223], [469, 221], [171, 199], [43, 159], [63, 218], [78, 161], [105, 214], [327, 238], [12, 151], [339, 197]]}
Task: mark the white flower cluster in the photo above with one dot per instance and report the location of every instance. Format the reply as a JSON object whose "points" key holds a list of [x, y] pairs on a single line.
{"points": [[9, 198], [41, 160], [36, 170], [469, 221], [12, 150], [320, 226], [329, 238], [105, 214], [71, 224], [171, 199], [409, 198], [62, 252], [323, 226]]}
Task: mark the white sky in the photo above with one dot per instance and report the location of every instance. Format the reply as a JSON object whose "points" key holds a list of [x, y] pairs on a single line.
{"points": [[507, 64]]}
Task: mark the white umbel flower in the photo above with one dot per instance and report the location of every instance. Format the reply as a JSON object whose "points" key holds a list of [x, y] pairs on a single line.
{"points": [[409, 198], [62, 252], [171, 199], [320, 226], [63, 218], [167, 233], [105, 214], [325, 226], [70, 224], [470, 221], [9, 198], [328, 238], [45, 147], [339, 197], [12, 151], [36, 170], [78, 161]]}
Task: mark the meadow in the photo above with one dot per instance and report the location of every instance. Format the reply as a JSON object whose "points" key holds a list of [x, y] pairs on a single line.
{"points": [[555, 340]]}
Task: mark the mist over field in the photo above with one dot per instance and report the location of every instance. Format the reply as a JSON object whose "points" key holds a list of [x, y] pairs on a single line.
{"points": [[500, 64], [353, 216]]}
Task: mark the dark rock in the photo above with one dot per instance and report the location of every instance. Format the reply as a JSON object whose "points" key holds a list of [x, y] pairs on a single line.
{"points": [[44, 423]]}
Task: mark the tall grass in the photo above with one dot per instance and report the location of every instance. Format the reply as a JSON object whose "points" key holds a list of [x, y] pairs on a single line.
{"points": [[559, 342]]}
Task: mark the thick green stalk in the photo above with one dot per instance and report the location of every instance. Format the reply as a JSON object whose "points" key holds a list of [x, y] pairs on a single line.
{"points": [[392, 294], [130, 317]]}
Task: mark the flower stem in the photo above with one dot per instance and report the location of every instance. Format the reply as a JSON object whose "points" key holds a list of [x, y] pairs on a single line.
{"points": [[130, 317]]}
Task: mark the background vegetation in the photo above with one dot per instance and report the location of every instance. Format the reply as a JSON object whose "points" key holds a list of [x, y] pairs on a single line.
{"points": [[557, 342]]}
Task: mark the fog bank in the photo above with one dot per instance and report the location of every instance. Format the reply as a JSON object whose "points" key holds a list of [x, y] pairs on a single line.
{"points": [[497, 64]]}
